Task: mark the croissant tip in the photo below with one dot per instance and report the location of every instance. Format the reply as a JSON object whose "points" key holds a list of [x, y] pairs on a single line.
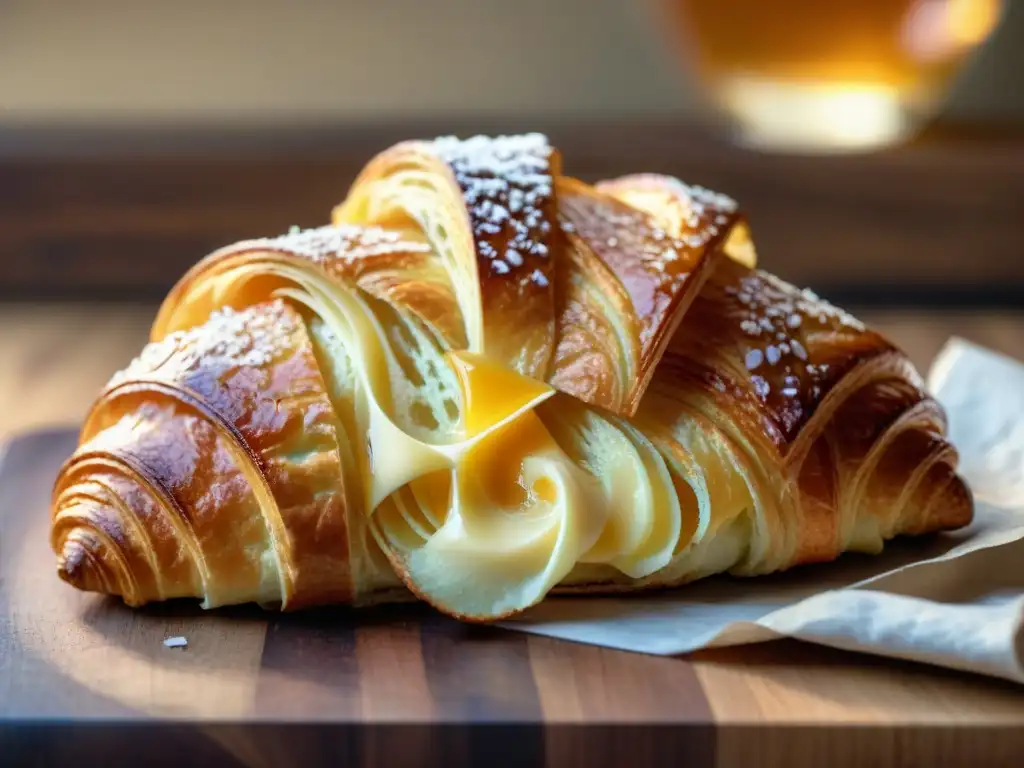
{"points": [[77, 567]]}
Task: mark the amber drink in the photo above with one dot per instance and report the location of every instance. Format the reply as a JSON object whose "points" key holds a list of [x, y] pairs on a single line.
{"points": [[829, 74]]}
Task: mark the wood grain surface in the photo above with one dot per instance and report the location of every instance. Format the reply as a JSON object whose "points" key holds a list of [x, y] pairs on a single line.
{"points": [[85, 680], [125, 211]]}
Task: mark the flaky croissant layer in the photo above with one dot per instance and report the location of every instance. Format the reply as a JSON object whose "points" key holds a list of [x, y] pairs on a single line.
{"points": [[486, 382]]}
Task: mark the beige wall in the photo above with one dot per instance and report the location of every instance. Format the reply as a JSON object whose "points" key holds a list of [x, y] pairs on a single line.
{"points": [[190, 59]]}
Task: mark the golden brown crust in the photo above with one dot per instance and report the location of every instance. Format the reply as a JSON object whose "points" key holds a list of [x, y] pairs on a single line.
{"points": [[396, 267], [230, 422], [507, 186], [146, 525], [215, 465], [832, 407], [192, 474], [487, 206], [687, 212], [768, 350], [555, 278], [661, 272], [597, 352]]}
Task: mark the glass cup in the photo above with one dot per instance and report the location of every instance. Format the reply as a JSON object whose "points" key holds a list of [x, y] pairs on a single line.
{"points": [[828, 75]]}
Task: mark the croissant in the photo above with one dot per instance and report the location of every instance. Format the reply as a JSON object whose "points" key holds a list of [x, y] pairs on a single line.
{"points": [[485, 382]]}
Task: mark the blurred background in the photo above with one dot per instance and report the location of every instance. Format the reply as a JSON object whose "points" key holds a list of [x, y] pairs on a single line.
{"points": [[75, 61], [876, 145]]}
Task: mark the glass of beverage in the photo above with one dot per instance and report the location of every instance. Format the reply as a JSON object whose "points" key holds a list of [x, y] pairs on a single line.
{"points": [[828, 75]]}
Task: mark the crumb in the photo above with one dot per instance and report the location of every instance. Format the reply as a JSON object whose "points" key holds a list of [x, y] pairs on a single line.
{"points": [[175, 642]]}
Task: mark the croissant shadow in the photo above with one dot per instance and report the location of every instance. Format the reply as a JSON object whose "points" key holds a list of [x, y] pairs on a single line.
{"points": [[297, 642], [759, 595], [107, 615], [321, 618], [97, 615]]}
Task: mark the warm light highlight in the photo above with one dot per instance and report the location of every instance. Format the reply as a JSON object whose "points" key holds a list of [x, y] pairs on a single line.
{"points": [[834, 115]]}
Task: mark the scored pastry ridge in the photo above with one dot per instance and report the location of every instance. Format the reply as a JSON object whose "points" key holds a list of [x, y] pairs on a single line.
{"points": [[486, 382]]}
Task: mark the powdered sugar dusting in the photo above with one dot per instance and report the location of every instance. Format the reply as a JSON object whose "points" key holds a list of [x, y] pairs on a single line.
{"points": [[230, 339], [653, 265], [347, 242], [702, 213], [778, 326], [508, 190]]}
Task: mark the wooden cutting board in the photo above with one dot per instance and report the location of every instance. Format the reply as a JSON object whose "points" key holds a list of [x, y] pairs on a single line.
{"points": [[84, 679]]}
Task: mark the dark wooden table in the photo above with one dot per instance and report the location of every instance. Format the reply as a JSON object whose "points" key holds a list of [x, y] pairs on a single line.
{"points": [[84, 680]]}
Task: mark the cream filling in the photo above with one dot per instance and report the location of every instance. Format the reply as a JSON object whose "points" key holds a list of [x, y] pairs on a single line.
{"points": [[644, 518], [485, 520], [504, 539]]}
